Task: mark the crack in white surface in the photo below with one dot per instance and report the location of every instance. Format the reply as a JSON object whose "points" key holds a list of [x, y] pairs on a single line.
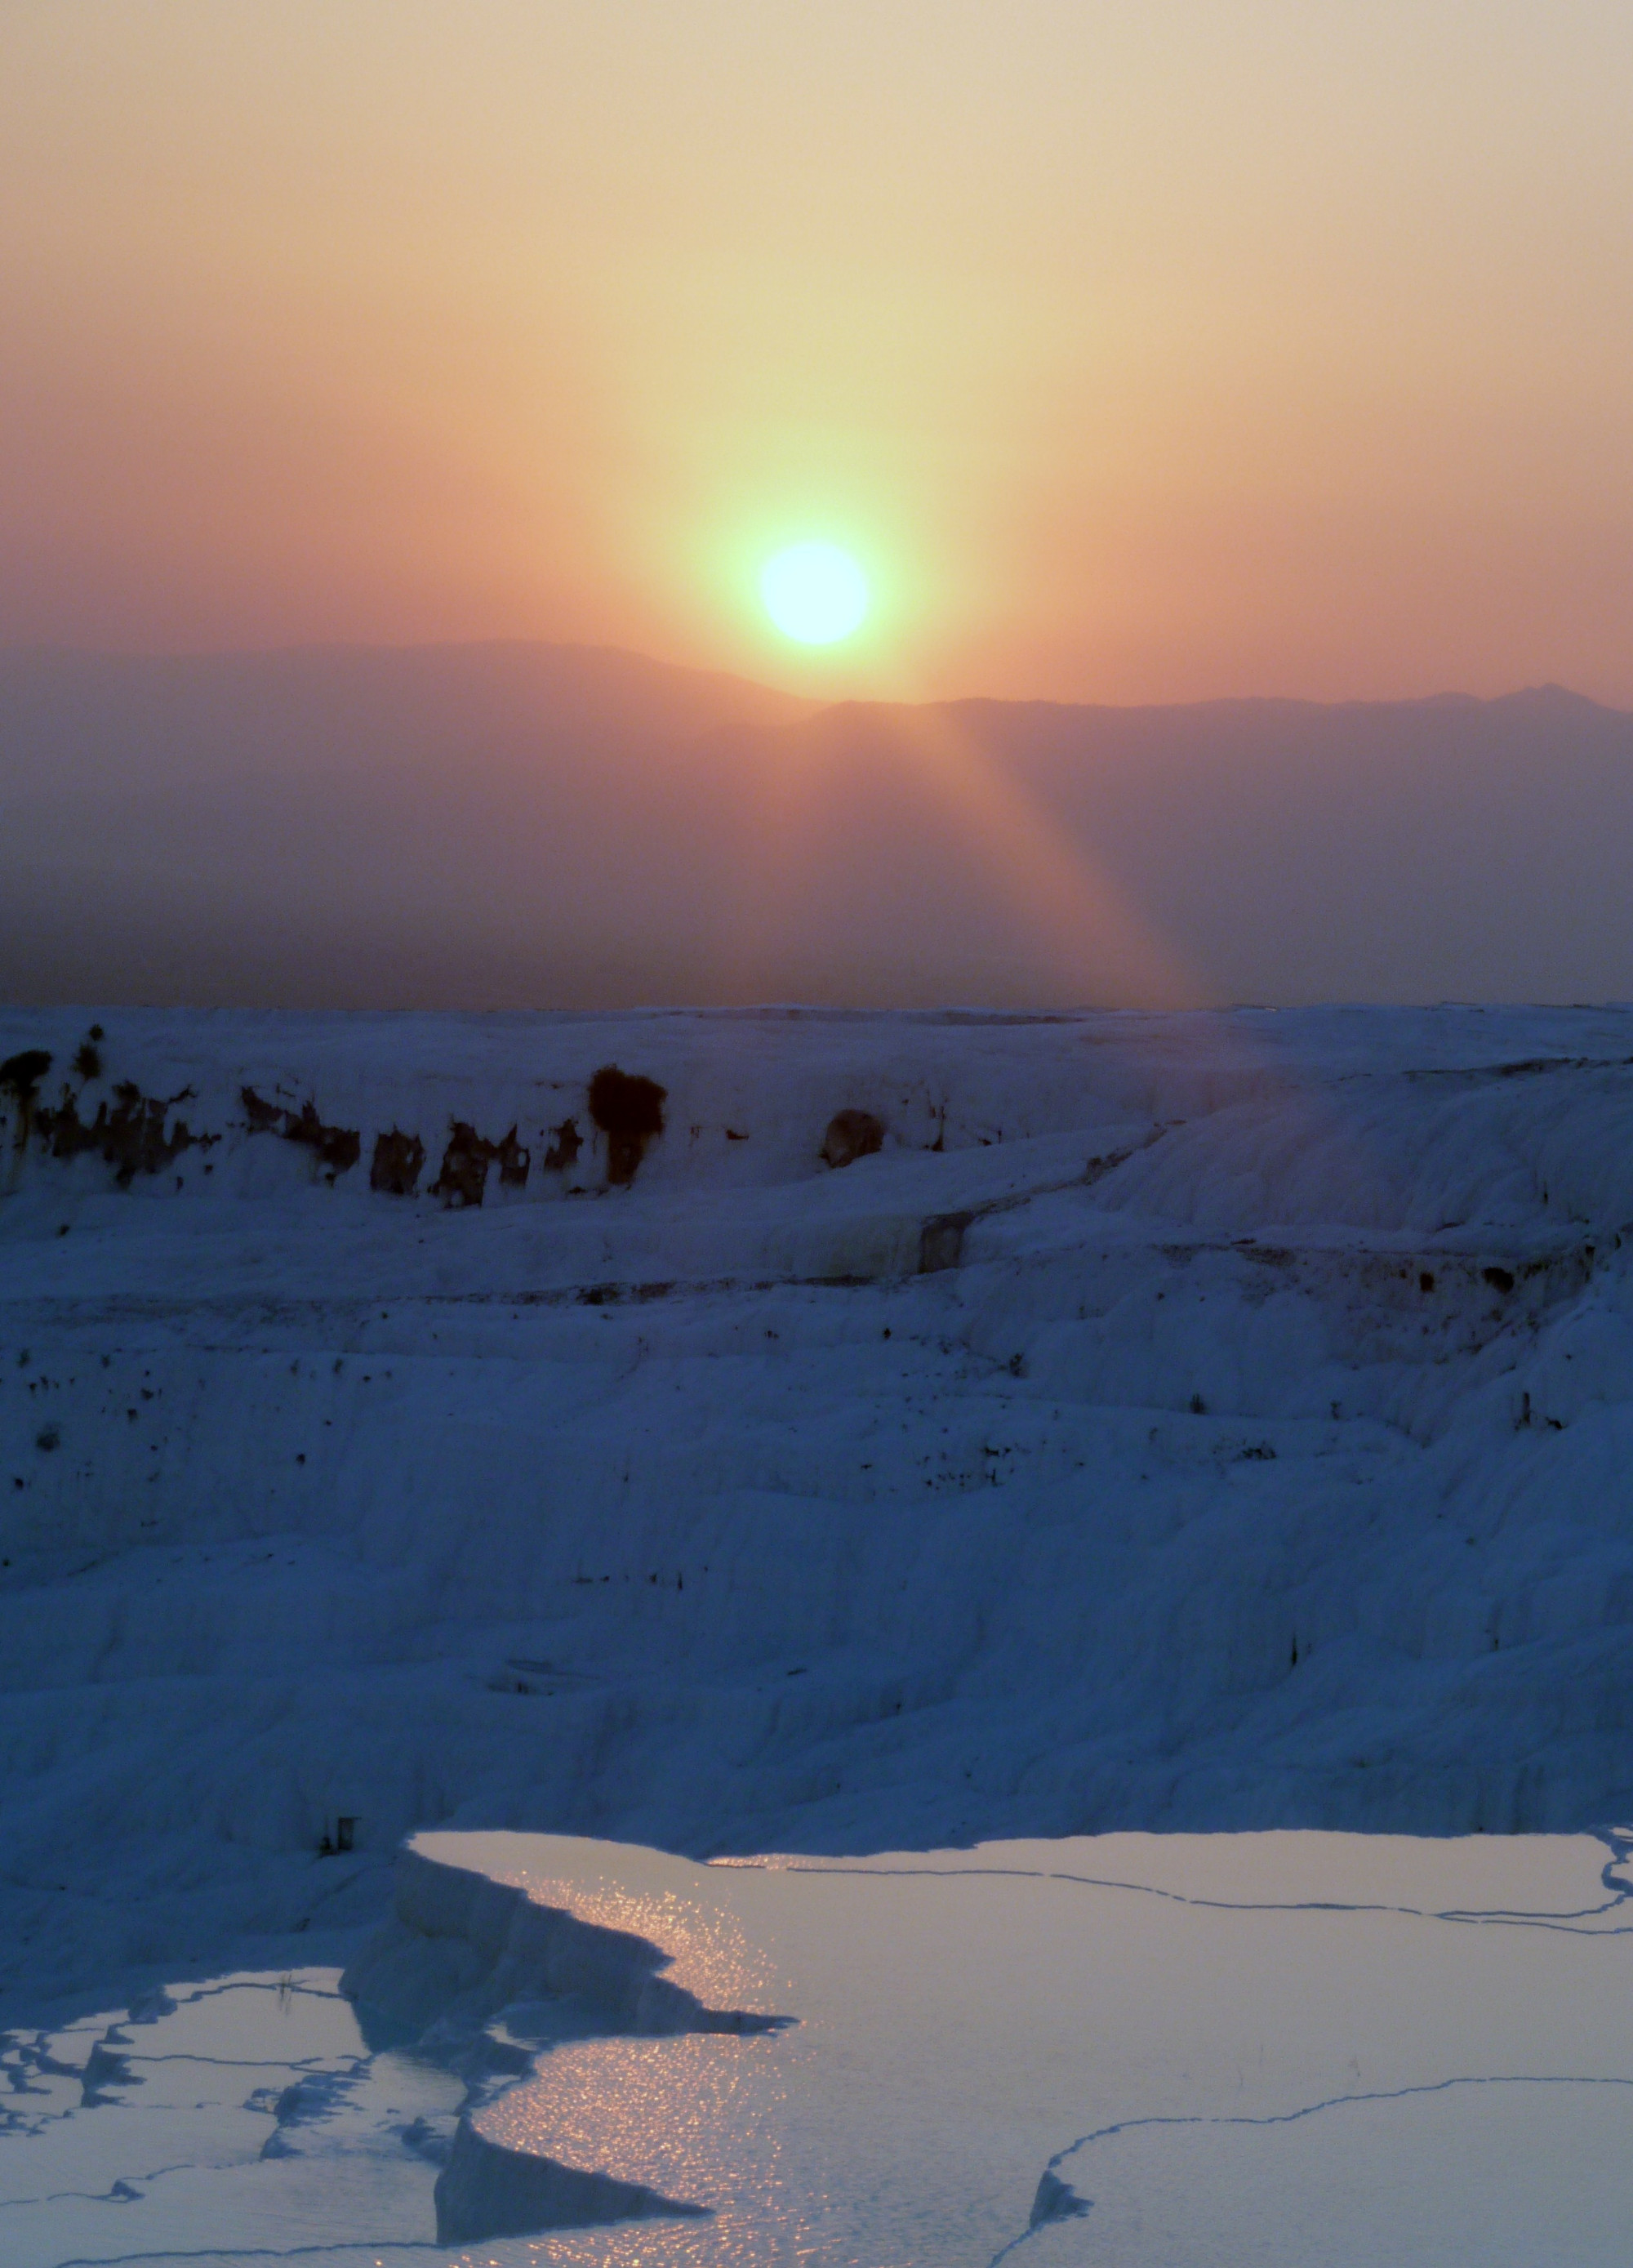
{"points": [[1517, 1918], [1079, 2204]]}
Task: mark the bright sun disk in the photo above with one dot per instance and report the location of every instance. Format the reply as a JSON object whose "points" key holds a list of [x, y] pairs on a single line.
{"points": [[814, 593]]}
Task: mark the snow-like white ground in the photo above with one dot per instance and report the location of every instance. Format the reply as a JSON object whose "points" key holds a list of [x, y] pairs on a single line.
{"points": [[1280, 2050], [1179, 1423]]}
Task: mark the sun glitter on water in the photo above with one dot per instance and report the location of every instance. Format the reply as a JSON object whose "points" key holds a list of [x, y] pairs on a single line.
{"points": [[814, 593]]}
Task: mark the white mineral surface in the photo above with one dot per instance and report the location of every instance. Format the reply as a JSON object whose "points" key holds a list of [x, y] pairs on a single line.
{"points": [[1306, 2050], [1191, 1423]]}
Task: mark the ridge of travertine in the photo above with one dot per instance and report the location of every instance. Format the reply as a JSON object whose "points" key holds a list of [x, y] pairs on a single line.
{"points": [[461, 1945], [484, 1972]]}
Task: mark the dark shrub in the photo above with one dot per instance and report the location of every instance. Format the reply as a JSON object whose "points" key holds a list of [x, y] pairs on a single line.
{"points": [[564, 1146], [630, 1111], [20, 1074], [851, 1134], [395, 1167]]}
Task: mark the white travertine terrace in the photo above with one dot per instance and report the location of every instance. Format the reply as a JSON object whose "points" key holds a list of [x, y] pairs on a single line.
{"points": [[1189, 2051]]}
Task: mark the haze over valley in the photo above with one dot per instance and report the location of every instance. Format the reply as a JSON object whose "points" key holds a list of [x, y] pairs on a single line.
{"points": [[508, 827]]}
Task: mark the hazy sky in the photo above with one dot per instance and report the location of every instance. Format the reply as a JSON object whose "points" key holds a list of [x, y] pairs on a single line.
{"points": [[1143, 350]]}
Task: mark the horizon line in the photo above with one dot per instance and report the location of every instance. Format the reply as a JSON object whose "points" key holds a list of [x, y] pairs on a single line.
{"points": [[47, 649]]}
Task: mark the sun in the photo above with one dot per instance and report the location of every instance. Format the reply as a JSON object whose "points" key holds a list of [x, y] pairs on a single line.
{"points": [[814, 593]]}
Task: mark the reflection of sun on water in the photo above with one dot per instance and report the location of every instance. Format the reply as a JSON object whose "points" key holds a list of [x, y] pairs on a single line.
{"points": [[699, 2119], [708, 1955], [696, 2116], [664, 2112]]}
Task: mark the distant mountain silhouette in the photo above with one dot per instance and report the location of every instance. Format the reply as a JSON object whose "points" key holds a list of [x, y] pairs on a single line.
{"points": [[512, 826]]}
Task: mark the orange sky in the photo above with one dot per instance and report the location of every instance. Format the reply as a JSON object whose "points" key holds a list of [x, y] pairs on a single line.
{"points": [[1144, 349]]}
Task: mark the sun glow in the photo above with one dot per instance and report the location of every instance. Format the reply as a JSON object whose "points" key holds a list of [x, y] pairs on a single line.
{"points": [[814, 593]]}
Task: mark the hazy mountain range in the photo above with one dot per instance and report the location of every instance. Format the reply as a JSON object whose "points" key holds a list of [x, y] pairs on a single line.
{"points": [[520, 826]]}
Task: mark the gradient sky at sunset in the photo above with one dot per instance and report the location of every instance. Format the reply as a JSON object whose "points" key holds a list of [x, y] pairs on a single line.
{"points": [[1144, 349]]}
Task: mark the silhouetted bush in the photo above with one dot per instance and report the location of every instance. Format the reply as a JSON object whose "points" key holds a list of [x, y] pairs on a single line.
{"points": [[20, 1074], [630, 1111], [397, 1161], [851, 1134]]}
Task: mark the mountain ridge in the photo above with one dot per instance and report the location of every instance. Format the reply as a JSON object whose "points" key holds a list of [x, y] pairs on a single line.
{"points": [[513, 825], [659, 666]]}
